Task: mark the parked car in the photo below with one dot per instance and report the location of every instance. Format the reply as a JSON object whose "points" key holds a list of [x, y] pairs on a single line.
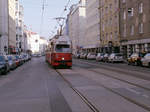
{"points": [[11, 62], [85, 56], [99, 56], [29, 57], [81, 55], [22, 59], [77, 55], [25, 57], [115, 57], [105, 57], [135, 59], [4, 67], [146, 60], [91, 56], [17, 60]]}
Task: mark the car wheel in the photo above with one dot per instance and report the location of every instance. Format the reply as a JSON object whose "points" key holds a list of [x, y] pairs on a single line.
{"points": [[136, 63], [149, 65]]}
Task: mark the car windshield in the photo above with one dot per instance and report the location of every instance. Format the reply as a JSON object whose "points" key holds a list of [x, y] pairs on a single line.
{"points": [[99, 54], [147, 56], [63, 49], [119, 55], [93, 53], [134, 55], [2, 58], [17, 57], [9, 57], [141, 54]]}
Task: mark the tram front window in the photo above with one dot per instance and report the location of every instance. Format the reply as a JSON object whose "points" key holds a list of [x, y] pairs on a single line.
{"points": [[63, 49]]}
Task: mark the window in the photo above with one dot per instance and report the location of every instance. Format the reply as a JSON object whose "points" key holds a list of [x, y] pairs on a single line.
{"points": [[141, 28], [111, 36], [124, 15], [124, 30], [132, 30], [123, 1], [141, 8], [130, 12], [63, 48], [110, 21], [110, 6]]}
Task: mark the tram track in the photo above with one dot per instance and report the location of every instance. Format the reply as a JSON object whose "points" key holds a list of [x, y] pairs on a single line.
{"points": [[125, 81], [123, 96], [146, 107], [120, 70], [93, 107], [84, 99], [116, 78]]}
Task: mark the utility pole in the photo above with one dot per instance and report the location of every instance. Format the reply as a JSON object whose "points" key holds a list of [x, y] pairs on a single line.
{"points": [[60, 21], [100, 26]]}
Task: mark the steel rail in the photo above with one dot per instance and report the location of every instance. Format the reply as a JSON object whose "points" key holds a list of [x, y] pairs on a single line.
{"points": [[84, 99], [125, 97], [118, 71]]}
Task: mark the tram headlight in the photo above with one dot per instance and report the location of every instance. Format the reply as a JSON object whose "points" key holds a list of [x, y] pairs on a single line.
{"points": [[63, 58]]}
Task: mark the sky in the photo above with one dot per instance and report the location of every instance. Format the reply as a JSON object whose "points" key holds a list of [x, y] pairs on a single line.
{"points": [[33, 15]]}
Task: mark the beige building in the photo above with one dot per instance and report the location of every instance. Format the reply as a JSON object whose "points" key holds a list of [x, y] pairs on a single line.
{"points": [[109, 15], [12, 24], [7, 26], [92, 36], [135, 26], [76, 25]]}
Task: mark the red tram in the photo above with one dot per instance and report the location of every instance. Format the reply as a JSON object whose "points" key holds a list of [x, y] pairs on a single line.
{"points": [[59, 52]]}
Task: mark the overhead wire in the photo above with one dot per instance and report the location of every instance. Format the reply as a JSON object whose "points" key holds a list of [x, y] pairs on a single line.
{"points": [[62, 14]]}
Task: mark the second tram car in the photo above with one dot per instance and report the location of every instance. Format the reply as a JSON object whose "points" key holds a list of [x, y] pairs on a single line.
{"points": [[59, 52]]}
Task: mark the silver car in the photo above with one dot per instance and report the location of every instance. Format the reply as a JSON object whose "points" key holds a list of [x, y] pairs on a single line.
{"points": [[115, 57], [146, 60], [91, 56], [99, 56], [11, 62]]}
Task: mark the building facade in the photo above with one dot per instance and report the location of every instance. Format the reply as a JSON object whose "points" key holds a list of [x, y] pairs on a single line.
{"points": [[135, 26], [19, 27], [76, 25], [3, 26], [12, 26], [92, 36], [7, 26], [110, 35]]}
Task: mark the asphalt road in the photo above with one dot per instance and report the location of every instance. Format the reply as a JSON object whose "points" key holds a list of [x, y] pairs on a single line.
{"points": [[36, 87], [111, 87]]}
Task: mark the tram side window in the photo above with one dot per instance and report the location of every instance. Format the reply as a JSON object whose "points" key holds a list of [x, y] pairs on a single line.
{"points": [[63, 48]]}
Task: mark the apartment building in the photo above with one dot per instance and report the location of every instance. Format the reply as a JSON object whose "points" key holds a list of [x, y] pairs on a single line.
{"points": [[109, 29], [92, 36], [3, 26], [12, 26], [19, 15], [76, 23], [135, 26]]}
